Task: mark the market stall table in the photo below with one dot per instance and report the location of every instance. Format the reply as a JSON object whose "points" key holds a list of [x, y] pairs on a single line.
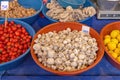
{"points": [[29, 70]]}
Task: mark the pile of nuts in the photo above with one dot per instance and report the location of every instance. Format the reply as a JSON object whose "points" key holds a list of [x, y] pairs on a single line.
{"points": [[69, 14], [17, 11], [66, 50]]}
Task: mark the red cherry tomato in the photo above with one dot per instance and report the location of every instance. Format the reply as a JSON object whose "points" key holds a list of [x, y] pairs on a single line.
{"points": [[18, 26], [14, 28], [12, 22], [1, 28], [17, 33], [1, 32]]}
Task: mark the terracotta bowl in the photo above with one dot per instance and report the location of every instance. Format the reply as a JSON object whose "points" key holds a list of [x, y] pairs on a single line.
{"points": [[62, 26], [106, 30]]}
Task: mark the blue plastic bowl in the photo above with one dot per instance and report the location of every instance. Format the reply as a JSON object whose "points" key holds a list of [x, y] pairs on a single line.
{"points": [[73, 3], [17, 61], [87, 3], [36, 4]]}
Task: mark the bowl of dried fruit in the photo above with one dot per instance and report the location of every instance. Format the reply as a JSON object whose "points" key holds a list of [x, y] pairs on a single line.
{"points": [[66, 48], [25, 10], [15, 40], [110, 36], [54, 12]]}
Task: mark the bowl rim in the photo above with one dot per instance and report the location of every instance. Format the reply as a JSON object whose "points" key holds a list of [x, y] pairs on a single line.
{"points": [[65, 73], [24, 54], [101, 35], [53, 20], [37, 12], [74, 3]]}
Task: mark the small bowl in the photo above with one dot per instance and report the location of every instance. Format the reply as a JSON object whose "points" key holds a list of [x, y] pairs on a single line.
{"points": [[106, 30], [15, 62], [62, 26], [87, 3], [35, 4], [74, 3]]}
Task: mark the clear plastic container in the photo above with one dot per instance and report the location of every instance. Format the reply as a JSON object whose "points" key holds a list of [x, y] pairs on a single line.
{"points": [[107, 4]]}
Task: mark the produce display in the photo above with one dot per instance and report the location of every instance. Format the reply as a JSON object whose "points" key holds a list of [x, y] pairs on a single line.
{"points": [[14, 41], [62, 52], [69, 14], [66, 50], [17, 11], [112, 43]]}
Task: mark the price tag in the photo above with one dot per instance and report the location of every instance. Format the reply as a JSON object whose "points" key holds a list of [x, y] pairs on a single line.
{"points": [[85, 29], [4, 5]]}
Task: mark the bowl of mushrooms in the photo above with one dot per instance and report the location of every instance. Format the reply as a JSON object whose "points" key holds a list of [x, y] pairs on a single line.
{"points": [[25, 10], [64, 49], [54, 12]]}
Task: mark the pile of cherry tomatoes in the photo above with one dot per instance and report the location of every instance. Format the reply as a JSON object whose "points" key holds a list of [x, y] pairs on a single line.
{"points": [[14, 41]]}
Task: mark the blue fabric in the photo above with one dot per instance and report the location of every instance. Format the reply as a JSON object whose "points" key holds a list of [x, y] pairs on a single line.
{"points": [[29, 70], [61, 78]]}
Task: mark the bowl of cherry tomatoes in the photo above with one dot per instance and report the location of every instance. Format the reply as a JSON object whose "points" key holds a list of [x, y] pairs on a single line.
{"points": [[15, 40]]}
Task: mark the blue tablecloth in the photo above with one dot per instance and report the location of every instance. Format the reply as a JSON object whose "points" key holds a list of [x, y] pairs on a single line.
{"points": [[28, 70]]}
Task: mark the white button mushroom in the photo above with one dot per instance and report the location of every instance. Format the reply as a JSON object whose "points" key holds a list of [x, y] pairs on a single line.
{"points": [[36, 51], [67, 63], [36, 40], [53, 67], [51, 54], [65, 42], [60, 68], [68, 29], [81, 56], [36, 47], [50, 61], [39, 36], [39, 54], [72, 55], [90, 61], [58, 61], [73, 64], [75, 59], [68, 68], [76, 39], [76, 51], [39, 59]]}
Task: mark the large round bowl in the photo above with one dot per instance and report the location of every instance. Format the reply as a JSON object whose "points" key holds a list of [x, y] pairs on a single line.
{"points": [[15, 62], [62, 26], [87, 3], [106, 31], [35, 4]]}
